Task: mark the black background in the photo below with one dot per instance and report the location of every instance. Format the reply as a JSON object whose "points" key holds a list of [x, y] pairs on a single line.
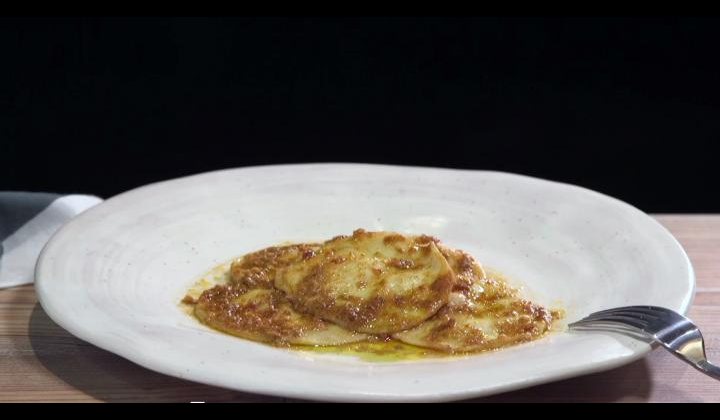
{"points": [[626, 106]]}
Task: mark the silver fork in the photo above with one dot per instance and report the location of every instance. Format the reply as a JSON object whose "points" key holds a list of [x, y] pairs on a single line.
{"points": [[668, 328]]}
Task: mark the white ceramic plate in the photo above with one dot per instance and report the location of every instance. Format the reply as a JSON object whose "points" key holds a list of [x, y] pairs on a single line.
{"points": [[114, 275]]}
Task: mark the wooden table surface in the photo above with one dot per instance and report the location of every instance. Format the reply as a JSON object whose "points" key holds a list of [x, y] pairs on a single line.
{"points": [[39, 361]]}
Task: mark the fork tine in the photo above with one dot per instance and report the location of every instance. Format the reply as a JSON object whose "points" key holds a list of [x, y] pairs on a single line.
{"points": [[621, 319], [613, 327], [603, 323], [629, 313], [647, 310]]}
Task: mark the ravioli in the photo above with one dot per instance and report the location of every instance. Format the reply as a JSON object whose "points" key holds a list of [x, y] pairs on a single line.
{"points": [[483, 313], [372, 282], [266, 315], [258, 269], [250, 307]]}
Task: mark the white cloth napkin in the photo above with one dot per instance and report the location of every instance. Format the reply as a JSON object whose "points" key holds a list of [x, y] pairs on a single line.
{"points": [[27, 221]]}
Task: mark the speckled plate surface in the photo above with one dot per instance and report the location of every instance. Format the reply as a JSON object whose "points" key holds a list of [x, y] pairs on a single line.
{"points": [[114, 275]]}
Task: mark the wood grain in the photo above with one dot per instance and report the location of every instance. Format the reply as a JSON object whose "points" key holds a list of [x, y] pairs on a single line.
{"points": [[39, 361]]}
